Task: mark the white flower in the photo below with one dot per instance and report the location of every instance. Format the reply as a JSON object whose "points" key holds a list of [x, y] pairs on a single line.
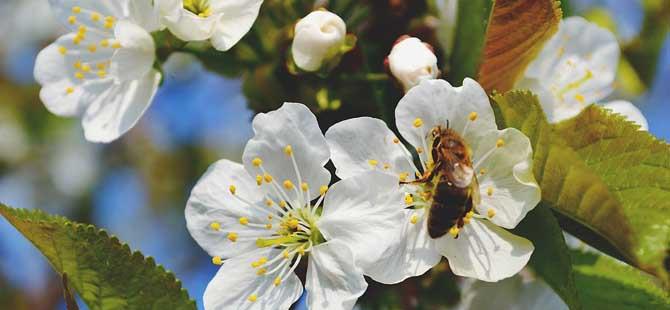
{"points": [[631, 112], [260, 219], [412, 61], [102, 70], [575, 68], [223, 22], [501, 160], [319, 36]]}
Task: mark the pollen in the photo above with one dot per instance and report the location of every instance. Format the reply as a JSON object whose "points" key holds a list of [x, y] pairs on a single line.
{"points": [[77, 65], [104, 43], [62, 50], [216, 226], [216, 260], [285, 254], [373, 162], [257, 162], [500, 143], [268, 226], [116, 45], [109, 24], [282, 203], [259, 179], [453, 231], [79, 75], [102, 73], [288, 184], [76, 10], [267, 177], [72, 20], [489, 191], [269, 202], [419, 150], [323, 189], [252, 297], [95, 17], [85, 68], [292, 223], [403, 176], [288, 150], [233, 189], [232, 236], [92, 48], [261, 271], [301, 250], [417, 123], [414, 219], [69, 90], [491, 213], [82, 30], [579, 98], [396, 140], [304, 186], [77, 39], [244, 221], [277, 281], [473, 116], [387, 166], [409, 200], [482, 171]]}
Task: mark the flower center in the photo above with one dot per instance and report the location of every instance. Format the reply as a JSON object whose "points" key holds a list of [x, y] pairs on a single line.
{"points": [[198, 7]]}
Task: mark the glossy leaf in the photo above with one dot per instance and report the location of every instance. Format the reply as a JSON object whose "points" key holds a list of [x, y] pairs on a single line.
{"points": [[105, 273]]}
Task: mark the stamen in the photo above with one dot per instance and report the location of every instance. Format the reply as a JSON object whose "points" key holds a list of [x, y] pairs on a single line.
{"points": [[277, 281], [323, 189], [489, 191], [288, 184], [232, 189], [418, 122], [259, 180], [453, 231], [373, 163], [500, 143], [216, 260], [387, 166], [257, 162], [95, 17], [72, 20], [244, 221], [396, 140], [76, 10], [304, 186], [252, 297], [473, 116], [232, 236], [491, 213], [267, 178], [62, 50], [414, 219], [409, 200], [288, 150], [69, 90], [403, 176], [216, 226]]}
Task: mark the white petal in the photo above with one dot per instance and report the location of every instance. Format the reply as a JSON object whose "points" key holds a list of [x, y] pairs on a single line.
{"points": [[63, 8], [318, 36], [333, 280], [136, 56], [485, 251], [436, 102], [630, 111], [184, 24], [412, 255], [238, 17], [118, 107], [411, 62], [211, 201], [515, 293], [362, 212], [291, 125], [145, 14], [354, 142], [578, 66], [237, 280], [507, 185]]}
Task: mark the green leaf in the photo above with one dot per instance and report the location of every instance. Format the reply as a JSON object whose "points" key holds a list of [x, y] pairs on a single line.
{"points": [[605, 283], [469, 37], [551, 258], [636, 168], [516, 32], [105, 273]]}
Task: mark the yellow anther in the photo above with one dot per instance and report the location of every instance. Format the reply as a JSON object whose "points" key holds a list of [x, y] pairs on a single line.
{"points": [[292, 223], [62, 50], [288, 184], [79, 75], [257, 162], [403, 176], [285, 254], [72, 20], [206, 13], [233, 189], [216, 226], [102, 73], [409, 200], [216, 260], [414, 219], [482, 171], [268, 226], [387, 166], [453, 231], [579, 98], [282, 203], [417, 174], [500, 143], [109, 24], [270, 217], [263, 260], [92, 48], [116, 45], [104, 43], [69, 90], [255, 264], [419, 150], [77, 65], [110, 19], [473, 116], [252, 297], [269, 202], [466, 220], [82, 30], [244, 221], [101, 66], [76, 10], [301, 250], [323, 189], [418, 123], [261, 271], [95, 17], [491, 213], [259, 180], [277, 281], [267, 177], [232, 236], [288, 150], [85, 68], [304, 186], [489, 191], [396, 140], [470, 214], [373, 162]]}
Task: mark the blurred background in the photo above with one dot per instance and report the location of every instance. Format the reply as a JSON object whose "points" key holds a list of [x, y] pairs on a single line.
{"points": [[136, 188]]}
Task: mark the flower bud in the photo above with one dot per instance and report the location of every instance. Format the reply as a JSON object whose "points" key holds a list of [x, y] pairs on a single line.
{"points": [[412, 61], [319, 37]]}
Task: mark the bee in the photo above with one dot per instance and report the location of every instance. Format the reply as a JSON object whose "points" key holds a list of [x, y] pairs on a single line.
{"points": [[455, 187]]}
